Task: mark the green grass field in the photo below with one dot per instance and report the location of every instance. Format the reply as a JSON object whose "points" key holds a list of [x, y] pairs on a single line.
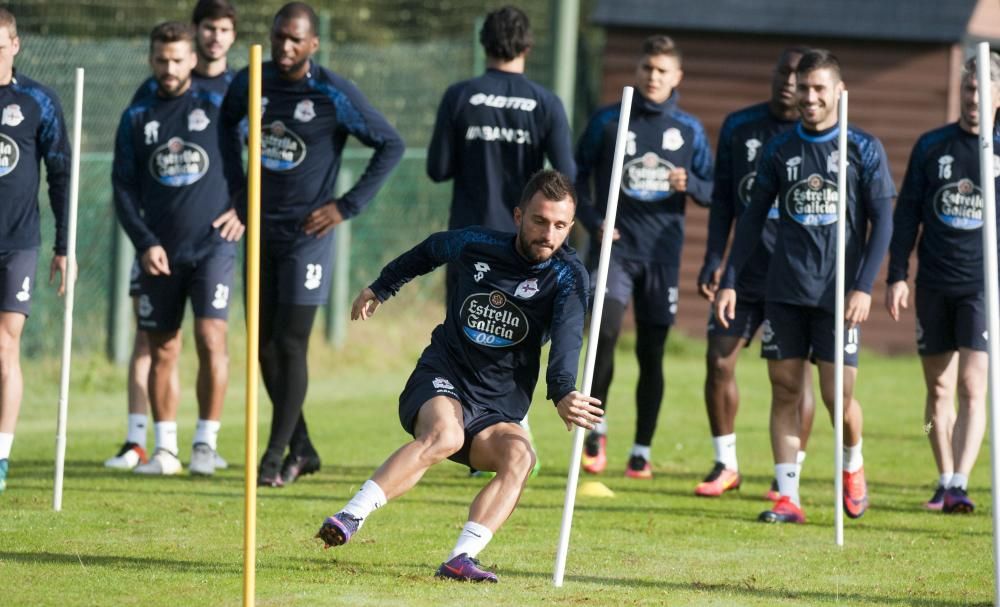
{"points": [[122, 540]]}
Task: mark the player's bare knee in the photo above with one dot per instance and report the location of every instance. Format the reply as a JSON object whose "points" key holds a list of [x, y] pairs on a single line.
{"points": [[442, 441], [721, 369]]}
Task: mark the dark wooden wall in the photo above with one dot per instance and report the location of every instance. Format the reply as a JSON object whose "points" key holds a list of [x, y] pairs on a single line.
{"points": [[897, 91]]}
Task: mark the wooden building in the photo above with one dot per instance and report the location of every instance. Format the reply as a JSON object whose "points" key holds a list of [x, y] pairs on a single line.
{"points": [[901, 62]]}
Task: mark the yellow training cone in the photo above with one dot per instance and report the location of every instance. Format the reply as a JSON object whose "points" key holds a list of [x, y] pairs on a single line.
{"points": [[595, 489]]}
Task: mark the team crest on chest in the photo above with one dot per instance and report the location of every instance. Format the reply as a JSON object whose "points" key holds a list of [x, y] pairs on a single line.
{"points": [[198, 120], [672, 139], [151, 130], [305, 110], [527, 288], [12, 115], [753, 144]]}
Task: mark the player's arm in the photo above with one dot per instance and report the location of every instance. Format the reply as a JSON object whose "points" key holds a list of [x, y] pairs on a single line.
{"points": [[234, 109], [441, 151], [568, 312], [54, 146], [588, 152], [559, 138], [877, 192], [905, 226], [436, 250], [720, 217], [748, 231], [697, 182], [125, 173]]}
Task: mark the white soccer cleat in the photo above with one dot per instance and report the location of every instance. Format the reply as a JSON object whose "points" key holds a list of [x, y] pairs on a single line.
{"points": [[163, 463], [220, 464], [202, 460], [129, 456]]}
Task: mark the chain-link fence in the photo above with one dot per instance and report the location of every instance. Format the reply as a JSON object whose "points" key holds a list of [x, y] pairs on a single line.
{"points": [[401, 54]]}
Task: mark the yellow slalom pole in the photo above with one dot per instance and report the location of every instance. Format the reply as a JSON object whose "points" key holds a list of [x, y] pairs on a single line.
{"points": [[253, 327]]}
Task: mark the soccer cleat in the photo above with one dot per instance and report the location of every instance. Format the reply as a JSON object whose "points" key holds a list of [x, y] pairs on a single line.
{"points": [[4, 465], [772, 493], [783, 511], [465, 569], [956, 501], [129, 456], [718, 481], [638, 467], [473, 473], [937, 500], [295, 466], [338, 529], [855, 493], [595, 457], [269, 474], [220, 463], [202, 460], [163, 463]]}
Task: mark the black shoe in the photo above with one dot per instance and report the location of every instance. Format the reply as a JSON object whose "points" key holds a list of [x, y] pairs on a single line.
{"points": [[269, 473], [295, 466]]}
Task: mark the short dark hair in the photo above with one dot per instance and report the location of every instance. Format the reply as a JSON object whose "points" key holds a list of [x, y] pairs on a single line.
{"points": [[969, 68], [551, 183], [660, 45], [506, 33], [213, 10], [817, 59], [171, 31], [8, 21], [298, 9]]}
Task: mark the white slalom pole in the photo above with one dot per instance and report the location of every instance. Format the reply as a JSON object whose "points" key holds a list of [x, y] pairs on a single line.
{"points": [[595, 325], [70, 276], [986, 177], [838, 377]]}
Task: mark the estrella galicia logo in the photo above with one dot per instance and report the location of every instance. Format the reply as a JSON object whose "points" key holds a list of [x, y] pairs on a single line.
{"points": [[281, 149], [9, 154], [959, 205], [178, 163], [647, 178], [492, 320], [812, 201]]}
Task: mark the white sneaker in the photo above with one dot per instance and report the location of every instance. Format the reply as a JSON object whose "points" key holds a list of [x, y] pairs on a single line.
{"points": [[163, 463], [220, 464], [129, 456], [202, 460]]}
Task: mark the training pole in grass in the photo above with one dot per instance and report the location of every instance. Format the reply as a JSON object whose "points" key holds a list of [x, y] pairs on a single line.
{"points": [[253, 327], [595, 325], [986, 177], [838, 330], [70, 277]]}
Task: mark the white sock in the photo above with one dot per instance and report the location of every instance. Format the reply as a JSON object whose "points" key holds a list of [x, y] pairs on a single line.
{"points": [[471, 540], [945, 479], [961, 481], [207, 431], [367, 500], [788, 481], [602, 426], [644, 450], [137, 429], [166, 436], [725, 450], [800, 458], [6, 442], [853, 460]]}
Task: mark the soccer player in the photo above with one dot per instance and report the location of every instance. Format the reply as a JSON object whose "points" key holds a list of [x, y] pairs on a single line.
{"points": [[32, 130], [743, 133], [215, 26], [799, 168], [942, 193], [493, 132], [667, 159], [474, 382], [308, 115], [171, 198]]}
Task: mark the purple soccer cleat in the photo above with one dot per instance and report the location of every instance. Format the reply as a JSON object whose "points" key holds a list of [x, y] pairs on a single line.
{"points": [[956, 501], [338, 529], [465, 569]]}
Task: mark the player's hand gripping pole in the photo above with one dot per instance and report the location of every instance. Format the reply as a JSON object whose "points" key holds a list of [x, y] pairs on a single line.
{"points": [[838, 330], [69, 275], [253, 326], [595, 325], [986, 179]]}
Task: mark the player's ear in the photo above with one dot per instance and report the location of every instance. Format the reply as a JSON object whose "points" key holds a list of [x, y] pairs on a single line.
{"points": [[15, 45], [518, 216]]}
